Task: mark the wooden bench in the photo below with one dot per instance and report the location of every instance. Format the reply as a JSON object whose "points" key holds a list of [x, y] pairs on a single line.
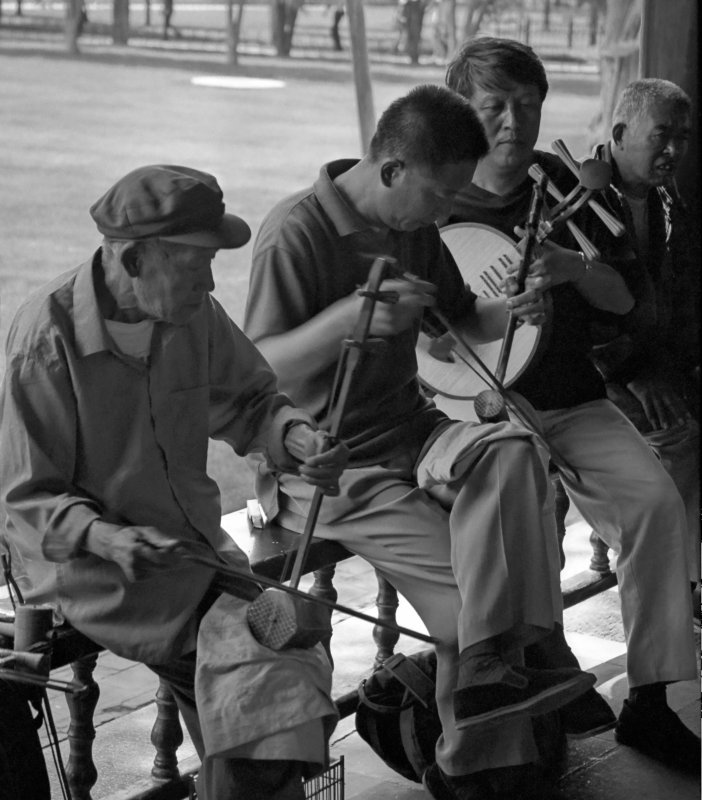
{"points": [[269, 550]]}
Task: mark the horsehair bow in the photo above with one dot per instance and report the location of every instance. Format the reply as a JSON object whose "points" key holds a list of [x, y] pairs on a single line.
{"points": [[213, 562], [470, 358], [593, 176], [352, 349]]}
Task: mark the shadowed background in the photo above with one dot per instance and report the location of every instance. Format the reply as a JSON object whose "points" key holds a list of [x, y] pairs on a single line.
{"points": [[72, 126]]}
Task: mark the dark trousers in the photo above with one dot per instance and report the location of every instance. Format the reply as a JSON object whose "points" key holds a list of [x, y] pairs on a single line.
{"points": [[23, 773], [227, 778]]}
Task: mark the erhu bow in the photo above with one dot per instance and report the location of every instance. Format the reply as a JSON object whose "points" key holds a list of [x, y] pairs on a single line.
{"points": [[450, 365], [593, 176], [274, 618]]}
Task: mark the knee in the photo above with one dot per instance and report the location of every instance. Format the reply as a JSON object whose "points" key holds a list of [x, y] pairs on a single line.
{"points": [[523, 456], [659, 498], [441, 620], [664, 498], [519, 441]]}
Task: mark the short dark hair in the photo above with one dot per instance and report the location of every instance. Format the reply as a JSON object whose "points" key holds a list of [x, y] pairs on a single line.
{"points": [[429, 125], [638, 97], [491, 63]]}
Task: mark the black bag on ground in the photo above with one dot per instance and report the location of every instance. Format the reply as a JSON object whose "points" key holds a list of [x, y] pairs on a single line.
{"points": [[23, 774], [397, 713], [398, 718]]}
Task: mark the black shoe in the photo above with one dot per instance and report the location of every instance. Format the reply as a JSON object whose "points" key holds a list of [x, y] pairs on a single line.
{"points": [[587, 715], [441, 786], [547, 690], [521, 782], [659, 733]]}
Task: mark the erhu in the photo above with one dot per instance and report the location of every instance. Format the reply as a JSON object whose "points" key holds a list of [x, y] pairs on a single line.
{"points": [[282, 616]]}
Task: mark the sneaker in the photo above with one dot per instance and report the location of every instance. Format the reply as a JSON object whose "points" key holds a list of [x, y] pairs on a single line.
{"points": [[659, 733], [441, 786], [587, 715], [546, 690]]}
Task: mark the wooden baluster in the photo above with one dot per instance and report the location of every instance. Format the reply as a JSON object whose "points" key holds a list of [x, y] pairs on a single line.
{"points": [[166, 736], [323, 586], [600, 558], [80, 770], [386, 602], [562, 504], [600, 555]]}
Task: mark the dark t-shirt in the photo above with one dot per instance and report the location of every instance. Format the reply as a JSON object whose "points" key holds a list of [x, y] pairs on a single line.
{"points": [[561, 374], [312, 250]]}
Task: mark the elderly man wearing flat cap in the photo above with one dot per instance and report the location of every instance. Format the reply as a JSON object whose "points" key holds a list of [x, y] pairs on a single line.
{"points": [[117, 374]]}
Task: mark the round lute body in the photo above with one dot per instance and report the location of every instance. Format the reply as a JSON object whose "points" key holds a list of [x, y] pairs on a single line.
{"points": [[483, 255]]}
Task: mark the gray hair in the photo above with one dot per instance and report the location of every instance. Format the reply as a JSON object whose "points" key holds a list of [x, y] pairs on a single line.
{"points": [[639, 96], [113, 247]]}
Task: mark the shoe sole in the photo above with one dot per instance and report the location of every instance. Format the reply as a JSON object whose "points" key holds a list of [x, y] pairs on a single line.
{"points": [[426, 786], [542, 703], [645, 747], [607, 726]]}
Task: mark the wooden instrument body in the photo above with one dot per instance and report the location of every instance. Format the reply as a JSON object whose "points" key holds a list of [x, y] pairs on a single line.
{"points": [[483, 255]]}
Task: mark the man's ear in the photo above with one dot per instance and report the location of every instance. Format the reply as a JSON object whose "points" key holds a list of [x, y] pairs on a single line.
{"points": [[618, 132], [389, 171], [129, 257]]}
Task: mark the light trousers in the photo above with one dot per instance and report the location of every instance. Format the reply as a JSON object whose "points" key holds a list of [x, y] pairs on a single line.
{"points": [[627, 496], [228, 778], [679, 452], [487, 568]]}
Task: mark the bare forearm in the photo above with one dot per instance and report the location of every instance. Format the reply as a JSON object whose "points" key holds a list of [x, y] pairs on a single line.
{"points": [[598, 283], [303, 352], [602, 286]]}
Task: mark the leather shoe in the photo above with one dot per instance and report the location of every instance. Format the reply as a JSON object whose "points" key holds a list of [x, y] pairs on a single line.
{"points": [[659, 733], [522, 782], [441, 786], [587, 715], [546, 690]]}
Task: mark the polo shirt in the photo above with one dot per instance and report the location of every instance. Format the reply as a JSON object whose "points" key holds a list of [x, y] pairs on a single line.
{"points": [[314, 249]]}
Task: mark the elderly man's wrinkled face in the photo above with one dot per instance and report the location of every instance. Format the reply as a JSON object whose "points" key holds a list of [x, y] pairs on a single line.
{"points": [[173, 280], [649, 149]]}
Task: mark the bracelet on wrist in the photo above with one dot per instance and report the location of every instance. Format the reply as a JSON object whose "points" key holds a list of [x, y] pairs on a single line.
{"points": [[587, 267]]}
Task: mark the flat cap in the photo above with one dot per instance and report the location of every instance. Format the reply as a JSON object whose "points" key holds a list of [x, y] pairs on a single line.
{"points": [[178, 204]]}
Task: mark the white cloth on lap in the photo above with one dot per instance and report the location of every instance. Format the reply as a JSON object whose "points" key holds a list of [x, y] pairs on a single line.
{"points": [[254, 702]]}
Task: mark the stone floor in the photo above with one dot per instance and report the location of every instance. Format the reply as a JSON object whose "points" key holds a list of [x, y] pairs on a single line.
{"points": [[597, 768]]}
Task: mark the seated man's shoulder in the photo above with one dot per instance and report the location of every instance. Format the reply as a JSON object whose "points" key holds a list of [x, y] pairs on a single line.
{"points": [[297, 218], [41, 320]]}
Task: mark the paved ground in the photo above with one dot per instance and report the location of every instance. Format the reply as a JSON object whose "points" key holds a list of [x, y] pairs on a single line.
{"points": [[74, 124], [597, 769]]}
